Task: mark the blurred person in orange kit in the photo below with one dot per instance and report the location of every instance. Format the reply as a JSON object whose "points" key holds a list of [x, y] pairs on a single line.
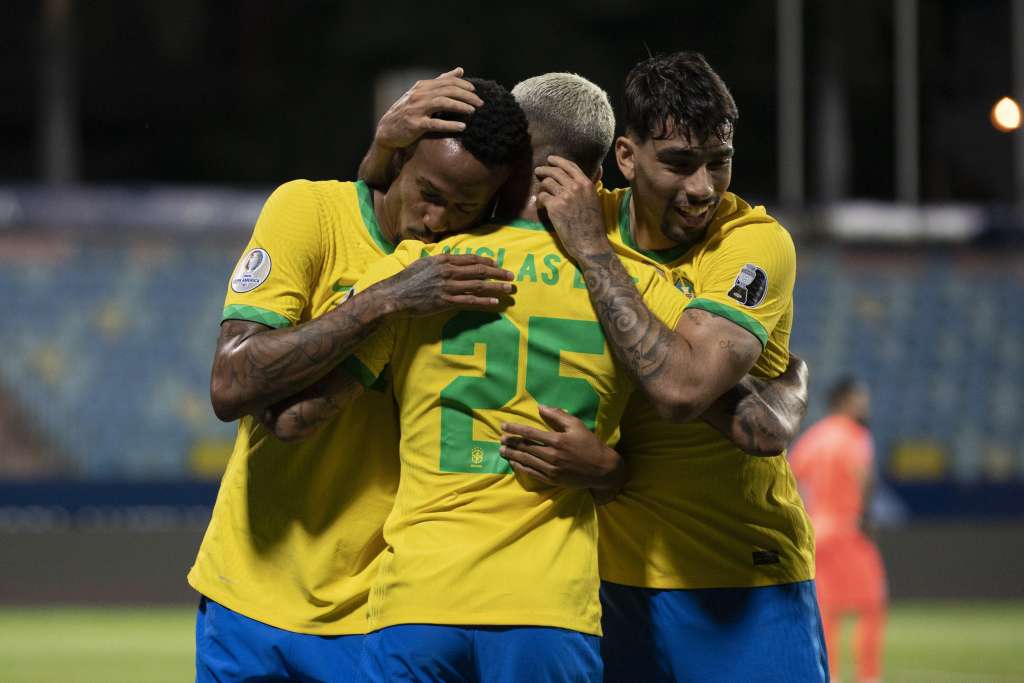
{"points": [[832, 462]]}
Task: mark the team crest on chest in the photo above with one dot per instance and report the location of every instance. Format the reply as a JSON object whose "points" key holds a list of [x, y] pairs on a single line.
{"points": [[750, 286], [685, 286]]}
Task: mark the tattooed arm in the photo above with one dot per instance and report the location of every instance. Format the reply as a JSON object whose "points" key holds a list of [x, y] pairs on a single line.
{"points": [[298, 417], [682, 371], [760, 416], [255, 367]]}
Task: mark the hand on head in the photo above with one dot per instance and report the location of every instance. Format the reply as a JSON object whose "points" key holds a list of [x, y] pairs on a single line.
{"points": [[412, 116]]}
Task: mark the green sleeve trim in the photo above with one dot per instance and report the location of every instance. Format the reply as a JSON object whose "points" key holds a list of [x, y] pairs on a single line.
{"points": [[360, 372], [256, 315], [370, 218], [729, 313], [663, 256]]}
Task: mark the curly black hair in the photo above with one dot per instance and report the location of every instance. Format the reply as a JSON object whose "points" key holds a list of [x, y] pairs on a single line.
{"points": [[496, 133], [678, 92]]}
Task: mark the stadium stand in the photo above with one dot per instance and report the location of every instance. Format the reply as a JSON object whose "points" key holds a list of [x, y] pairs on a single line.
{"points": [[113, 338]]}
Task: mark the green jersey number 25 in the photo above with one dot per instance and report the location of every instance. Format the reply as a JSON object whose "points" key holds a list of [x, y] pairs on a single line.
{"points": [[546, 339]]}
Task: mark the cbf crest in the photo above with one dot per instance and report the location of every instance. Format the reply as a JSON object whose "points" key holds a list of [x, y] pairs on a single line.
{"points": [[685, 286]]}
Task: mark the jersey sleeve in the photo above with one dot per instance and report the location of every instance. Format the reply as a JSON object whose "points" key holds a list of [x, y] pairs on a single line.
{"points": [[380, 270], [748, 279], [275, 277], [665, 301], [368, 361]]}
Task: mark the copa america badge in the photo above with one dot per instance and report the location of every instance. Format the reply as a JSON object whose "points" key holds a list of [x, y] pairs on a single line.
{"points": [[252, 271]]}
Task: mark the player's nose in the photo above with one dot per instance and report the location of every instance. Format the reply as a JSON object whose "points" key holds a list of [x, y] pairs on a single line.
{"points": [[435, 219], [698, 187]]}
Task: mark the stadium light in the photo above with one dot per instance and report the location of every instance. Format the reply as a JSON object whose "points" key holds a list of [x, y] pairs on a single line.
{"points": [[1005, 115]]}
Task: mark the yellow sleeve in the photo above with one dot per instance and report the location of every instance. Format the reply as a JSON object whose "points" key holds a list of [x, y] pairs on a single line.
{"points": [[749, 278], [405, 253], [665, 301], [275, 277], [368, 361]]}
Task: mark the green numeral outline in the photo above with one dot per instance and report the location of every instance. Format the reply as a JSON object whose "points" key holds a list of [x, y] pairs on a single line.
{"points": [[460, 335], [546, 339]]}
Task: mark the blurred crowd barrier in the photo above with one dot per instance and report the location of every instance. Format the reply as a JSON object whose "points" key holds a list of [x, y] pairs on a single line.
{"points": [[112, 302]]}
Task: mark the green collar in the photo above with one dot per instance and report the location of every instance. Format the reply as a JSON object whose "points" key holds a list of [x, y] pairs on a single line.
{"points": [[660, 255], [370, 218]]}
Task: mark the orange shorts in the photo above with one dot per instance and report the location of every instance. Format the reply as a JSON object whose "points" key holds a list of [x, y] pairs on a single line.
{"points": [[850, 574]]}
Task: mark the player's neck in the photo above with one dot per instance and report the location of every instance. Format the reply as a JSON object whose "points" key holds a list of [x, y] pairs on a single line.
{"points": [[529, 210], [647, 232], [386, 209]]}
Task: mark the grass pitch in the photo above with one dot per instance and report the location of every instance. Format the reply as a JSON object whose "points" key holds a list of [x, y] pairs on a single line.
{"points": [[925, 643]]}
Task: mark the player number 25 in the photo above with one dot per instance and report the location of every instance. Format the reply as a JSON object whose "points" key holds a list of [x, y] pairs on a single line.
{"points": [[546, 339]]}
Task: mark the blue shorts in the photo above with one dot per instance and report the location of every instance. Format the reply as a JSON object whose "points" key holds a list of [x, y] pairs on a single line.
{"points": [[713, 635], [453, 654], [233, 647]]}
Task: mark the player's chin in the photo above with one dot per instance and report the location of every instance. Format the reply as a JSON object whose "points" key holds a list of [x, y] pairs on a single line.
{"points": [[680, 233], [683, 229]]}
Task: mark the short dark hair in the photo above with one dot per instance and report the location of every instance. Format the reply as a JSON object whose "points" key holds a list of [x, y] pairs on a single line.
{"points": [[842, 388], [496, 133], [680, 92]]}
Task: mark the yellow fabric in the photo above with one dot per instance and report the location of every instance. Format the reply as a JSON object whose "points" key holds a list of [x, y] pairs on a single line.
{"points": [[468, 542], [295, 537], [697, 512]]}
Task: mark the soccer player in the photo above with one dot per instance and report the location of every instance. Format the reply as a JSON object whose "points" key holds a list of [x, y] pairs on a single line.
{"points": [[707, 555], [488, 576], [833, 464], [761, 423], [760, 416], [295, 538]]}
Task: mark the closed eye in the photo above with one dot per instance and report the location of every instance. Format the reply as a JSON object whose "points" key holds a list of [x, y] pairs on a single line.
{"points": [[433, 198]]}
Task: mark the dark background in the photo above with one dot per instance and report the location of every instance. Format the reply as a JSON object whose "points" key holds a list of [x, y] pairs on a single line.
{"points": [[258, 92]]}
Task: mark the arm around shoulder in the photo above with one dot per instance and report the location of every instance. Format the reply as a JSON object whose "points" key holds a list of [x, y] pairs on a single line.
{"points": [[762, 417]]}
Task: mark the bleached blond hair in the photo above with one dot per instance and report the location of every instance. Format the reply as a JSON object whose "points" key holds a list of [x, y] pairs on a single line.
{"points": [[568, 115]]}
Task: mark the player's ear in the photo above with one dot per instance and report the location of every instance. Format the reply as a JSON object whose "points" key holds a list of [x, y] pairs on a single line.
{"points": [[625, 156]]}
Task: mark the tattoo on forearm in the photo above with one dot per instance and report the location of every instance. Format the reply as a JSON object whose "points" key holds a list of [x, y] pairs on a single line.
{"points": [[729, 346], [270, 365], [311, 412], [304, 416], [758, 425], [639, 339]]}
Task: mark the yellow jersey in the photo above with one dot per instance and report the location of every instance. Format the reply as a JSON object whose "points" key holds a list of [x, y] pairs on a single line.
{"points": [[697, 512], [295, 537], [468, 542]]}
